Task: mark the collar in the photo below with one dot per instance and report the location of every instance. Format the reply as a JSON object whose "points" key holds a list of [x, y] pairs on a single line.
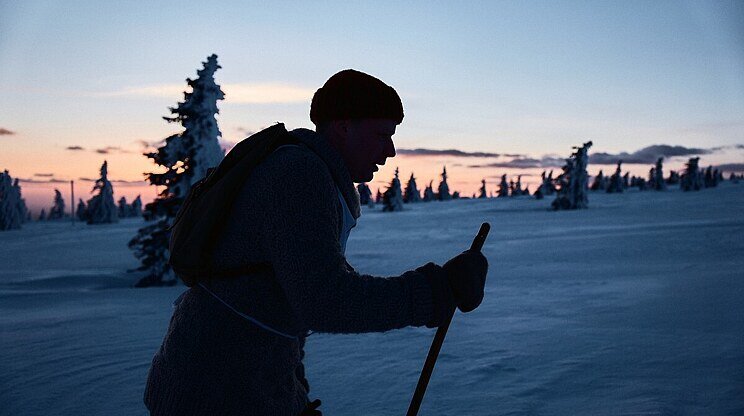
{"points": [[336, 166]]}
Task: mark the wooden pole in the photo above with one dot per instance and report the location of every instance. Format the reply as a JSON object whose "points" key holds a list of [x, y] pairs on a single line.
{"points": [[436, 345]]}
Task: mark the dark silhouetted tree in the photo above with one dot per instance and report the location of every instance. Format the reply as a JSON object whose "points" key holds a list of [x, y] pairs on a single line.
{"points": [[123, 208], [482, 191], [616, 180], [10, 214], [599, 183], [135, 209], [659, 184], [691, 179], [503, 187], [101, 208], [365, 195], [444, 193], [429, 193], [392, 199], [57, 211], [412, 194], [572, 191], [81, 212]]}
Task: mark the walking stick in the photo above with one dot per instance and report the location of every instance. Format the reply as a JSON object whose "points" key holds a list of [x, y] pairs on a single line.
{"points": [[436, 345]]}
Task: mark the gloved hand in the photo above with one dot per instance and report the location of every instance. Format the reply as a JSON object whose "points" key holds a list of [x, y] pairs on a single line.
{"points": [[311, 409], [466, 274]]}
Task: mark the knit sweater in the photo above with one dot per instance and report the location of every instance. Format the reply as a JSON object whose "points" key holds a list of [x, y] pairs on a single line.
{"points": [[288, 214]]}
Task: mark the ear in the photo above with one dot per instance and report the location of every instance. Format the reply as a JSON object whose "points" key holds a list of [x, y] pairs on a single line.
{"points": [[340, 128]]}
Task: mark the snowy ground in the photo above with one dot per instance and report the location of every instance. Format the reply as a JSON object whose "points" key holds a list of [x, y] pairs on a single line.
{"points": [[633, 307]]}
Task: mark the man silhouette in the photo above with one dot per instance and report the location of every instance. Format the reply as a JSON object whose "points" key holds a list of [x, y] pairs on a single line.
{"points": [[235, 346]]}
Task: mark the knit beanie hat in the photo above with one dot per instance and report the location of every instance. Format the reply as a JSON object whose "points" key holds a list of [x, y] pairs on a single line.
{"points": [[351, 94]]}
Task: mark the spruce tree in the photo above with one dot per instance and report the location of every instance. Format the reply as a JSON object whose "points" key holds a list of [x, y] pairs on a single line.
{"points": [[518, 186], [599, 183], [411, 194], [691, 179], [101, 208], [392, 199], [572, 193], [135, 210], [482, 191], [57, 212], [21, 205], [365, 195], [503, 187], [444, 193], [616, 180], [429, 193], [123, 208], [10, 215], [82, 211], [711, 177], [546, 186], [659, 183], [186, 158], [378, 197], [42, 215]]}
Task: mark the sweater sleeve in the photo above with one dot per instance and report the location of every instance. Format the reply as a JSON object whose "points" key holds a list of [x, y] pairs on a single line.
{"points": [[302, 239]]}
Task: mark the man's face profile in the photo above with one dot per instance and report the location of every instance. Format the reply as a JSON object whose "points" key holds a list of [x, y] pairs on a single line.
{"points": [[367, 143]]}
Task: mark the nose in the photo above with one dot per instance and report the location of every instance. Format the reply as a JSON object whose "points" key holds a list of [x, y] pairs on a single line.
{"points": [[390, 148]]}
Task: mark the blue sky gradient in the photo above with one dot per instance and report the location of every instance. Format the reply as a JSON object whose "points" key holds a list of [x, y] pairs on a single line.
{"points": [[527, 77]]}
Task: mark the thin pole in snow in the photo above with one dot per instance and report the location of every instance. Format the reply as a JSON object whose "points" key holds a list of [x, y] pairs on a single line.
{"points": [[436, 345], [72, 201]]}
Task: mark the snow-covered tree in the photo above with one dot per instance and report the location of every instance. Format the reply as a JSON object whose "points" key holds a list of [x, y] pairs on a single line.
{"points": [[657, 172], [10, 215], [482, 191], [186, 157], [616, 180], [101, 208], [57, 211], [429, 194], [412, 193], [503, 187], [599, 183], [711, 177], [546, 186], [21, 206], [135, 210], [691, 179], [572, 193], [81, 212], [392, 199], [365, 194], [123, 208], [673, 178], [516, 187], [444, 193]]}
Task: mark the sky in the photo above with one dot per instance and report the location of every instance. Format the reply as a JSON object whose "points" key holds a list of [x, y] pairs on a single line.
{"points": [[521, 81]]}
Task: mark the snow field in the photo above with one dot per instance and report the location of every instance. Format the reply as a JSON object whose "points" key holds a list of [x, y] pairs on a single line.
{"points": [[633, 306]]}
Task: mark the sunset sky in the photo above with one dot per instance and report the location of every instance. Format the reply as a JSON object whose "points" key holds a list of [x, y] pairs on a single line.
{"points": [[522, 82]]}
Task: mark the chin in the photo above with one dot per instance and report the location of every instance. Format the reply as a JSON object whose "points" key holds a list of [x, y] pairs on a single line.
{"points": [[363, 178]]}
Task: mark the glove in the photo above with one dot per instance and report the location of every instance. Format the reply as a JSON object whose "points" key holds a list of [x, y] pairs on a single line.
{"points": [[311, 409], [466, 274]]}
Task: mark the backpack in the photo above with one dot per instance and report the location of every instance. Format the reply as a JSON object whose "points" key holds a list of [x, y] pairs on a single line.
{"points": [[205, 211]]}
